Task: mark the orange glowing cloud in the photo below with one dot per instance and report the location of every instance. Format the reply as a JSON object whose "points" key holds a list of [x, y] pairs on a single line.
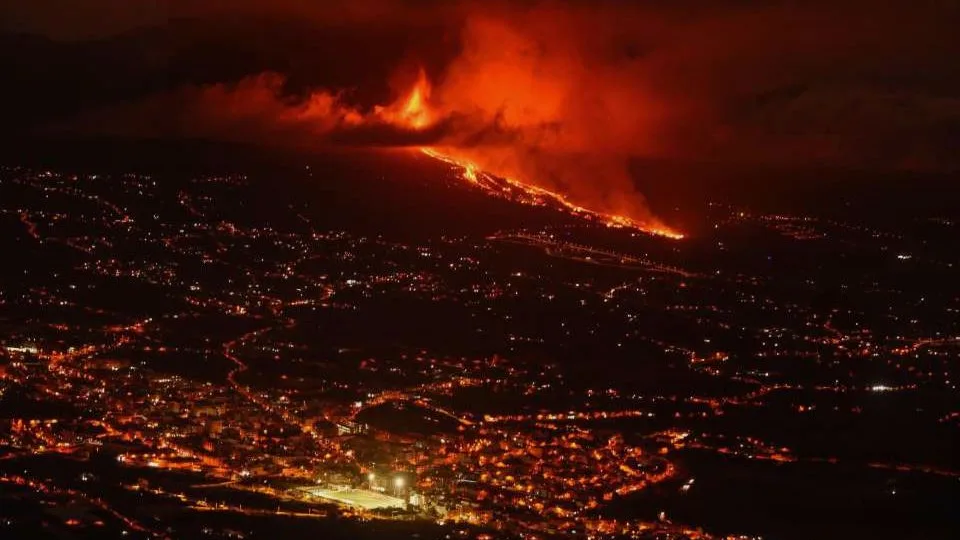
{"points": [[561, 95], [253, 109], [526, 106]]}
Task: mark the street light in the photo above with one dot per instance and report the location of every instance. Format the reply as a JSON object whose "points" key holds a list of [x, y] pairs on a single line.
{"points": [[371, 477], [398, 482]]}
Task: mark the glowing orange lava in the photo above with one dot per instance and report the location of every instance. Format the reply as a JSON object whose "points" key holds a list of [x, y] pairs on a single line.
{"points": [[538, 196], [414, 112]]}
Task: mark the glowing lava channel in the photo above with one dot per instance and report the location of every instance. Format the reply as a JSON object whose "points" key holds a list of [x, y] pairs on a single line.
{"points": [[415, 113], [537, 196]]}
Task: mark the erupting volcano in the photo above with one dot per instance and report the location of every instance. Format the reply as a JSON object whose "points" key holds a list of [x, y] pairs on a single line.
{"points": [[414, 112], [532, 107]]}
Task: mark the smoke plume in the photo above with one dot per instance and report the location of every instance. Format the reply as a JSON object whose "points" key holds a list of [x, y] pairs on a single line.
{"points": [[564, 94]]}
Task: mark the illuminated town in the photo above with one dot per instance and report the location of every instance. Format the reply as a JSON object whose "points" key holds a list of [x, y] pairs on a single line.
{"points": [[479, 270], [180, 353]]}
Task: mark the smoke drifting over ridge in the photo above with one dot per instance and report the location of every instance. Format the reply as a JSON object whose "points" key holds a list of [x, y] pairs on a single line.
{"points": [[564, 94]]}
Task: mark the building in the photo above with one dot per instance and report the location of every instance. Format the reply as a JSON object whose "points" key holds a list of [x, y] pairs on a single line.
{"points": [[349, 427]]}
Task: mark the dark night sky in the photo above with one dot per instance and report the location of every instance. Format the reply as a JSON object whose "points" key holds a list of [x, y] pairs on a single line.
{"points": [[872, 84]]}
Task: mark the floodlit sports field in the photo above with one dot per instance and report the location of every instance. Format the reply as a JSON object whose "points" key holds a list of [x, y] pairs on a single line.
{"points": [[358, 498]]}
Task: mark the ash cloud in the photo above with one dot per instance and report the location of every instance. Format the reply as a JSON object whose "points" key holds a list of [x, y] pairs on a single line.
{"points": [[565, 93], [687, 80], [257, 109], [693, 80]]}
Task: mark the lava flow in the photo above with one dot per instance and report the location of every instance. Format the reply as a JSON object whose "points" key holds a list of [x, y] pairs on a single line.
{"points": [[415, 113], [536, 196]]}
